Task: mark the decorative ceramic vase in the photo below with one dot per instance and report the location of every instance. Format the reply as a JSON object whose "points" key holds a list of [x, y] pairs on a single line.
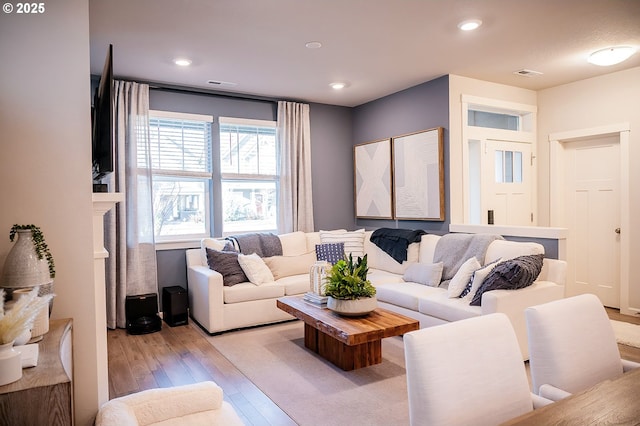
{"points": [[352, 307], [23, 269], [10, 364]]}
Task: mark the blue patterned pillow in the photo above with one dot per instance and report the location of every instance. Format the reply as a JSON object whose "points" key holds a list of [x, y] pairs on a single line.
{"points": [[330, 252]]}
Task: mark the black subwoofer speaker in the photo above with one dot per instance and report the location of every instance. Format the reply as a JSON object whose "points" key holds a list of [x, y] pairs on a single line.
{"points": [[175, 305], [142, 314]]}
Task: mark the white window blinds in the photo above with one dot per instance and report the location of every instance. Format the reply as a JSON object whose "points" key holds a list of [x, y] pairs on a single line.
{"points": [[180, 147]]}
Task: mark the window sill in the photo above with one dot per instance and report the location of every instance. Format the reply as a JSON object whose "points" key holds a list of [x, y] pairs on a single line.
{"points": [[177, 245]]}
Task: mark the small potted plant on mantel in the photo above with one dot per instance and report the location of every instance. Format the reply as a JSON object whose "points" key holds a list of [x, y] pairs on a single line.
{"points": [[349, 291]]}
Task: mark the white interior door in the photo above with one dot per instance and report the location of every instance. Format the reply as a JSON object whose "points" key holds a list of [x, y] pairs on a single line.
{"points": [[592, 215], [507, 183]]}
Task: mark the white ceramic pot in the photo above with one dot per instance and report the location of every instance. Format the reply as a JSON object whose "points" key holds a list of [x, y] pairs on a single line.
{"points": [[352, 308], [10, 364], [22, 268]]}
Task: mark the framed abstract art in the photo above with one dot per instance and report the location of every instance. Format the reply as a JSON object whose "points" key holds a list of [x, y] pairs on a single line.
{"points": [[418, 176], [373, 180]]}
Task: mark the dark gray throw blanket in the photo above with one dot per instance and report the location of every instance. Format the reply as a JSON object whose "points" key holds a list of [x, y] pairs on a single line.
{"points": [[395, 242], [455, 249], [264, 244]]}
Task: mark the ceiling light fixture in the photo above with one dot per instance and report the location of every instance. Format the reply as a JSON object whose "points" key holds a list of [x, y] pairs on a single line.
{"points": [[469, 24], [338, 85], [182, 62], [611, 55], [313, 45]]}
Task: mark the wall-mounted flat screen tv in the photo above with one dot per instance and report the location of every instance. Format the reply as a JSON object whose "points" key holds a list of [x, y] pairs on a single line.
{"points": [[103, 122]]}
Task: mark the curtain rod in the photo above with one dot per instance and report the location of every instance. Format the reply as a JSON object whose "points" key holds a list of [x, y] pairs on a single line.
{"points": [[198, 91], [201, 91]]}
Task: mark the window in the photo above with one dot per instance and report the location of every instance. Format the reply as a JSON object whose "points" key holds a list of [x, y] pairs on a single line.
{"points": [[249, 169], [508, 166], [493, 120], [181, 162]]}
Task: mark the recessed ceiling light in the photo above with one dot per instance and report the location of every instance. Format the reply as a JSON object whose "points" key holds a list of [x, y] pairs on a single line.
{"points": [[182, 62], [338, 85], [313, 45], [469, 24], [611, 55]]}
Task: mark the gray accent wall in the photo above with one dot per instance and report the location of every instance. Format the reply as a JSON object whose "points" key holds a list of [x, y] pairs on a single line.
{"points": [[418, 108], [332, 166], [172, 270]]}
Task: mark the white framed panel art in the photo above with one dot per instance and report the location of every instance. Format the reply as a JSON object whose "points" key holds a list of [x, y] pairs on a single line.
{"points": [[373, 180], [418, 173]]}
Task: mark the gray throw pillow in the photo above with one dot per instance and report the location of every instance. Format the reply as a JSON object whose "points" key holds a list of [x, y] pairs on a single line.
{"points": [[511, 274], [226, 263]]}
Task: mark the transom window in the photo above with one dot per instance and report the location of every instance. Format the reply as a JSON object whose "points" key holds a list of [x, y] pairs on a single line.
{"points": [[493, 120]]}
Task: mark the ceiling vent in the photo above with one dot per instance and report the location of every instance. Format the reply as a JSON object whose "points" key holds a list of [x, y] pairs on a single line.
{"points": [[219, 83], [528, 73]]}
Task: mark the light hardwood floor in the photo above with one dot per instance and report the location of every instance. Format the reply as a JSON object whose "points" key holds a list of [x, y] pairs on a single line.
{"points": [[181, 355]]}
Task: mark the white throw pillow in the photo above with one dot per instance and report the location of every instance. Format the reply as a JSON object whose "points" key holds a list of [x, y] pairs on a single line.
{"points": [[462, 277], [424, 273], [353, 240], [478, 278], [286, 266], [255, 269], [293, 243]]}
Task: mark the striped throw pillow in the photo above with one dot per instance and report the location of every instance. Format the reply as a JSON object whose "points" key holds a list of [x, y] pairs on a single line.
{"points": [[353, 241]]}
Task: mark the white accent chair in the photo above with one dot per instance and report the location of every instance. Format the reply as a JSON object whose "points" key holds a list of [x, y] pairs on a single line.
{"points": [[468, 372], [195, 404], [572, 346]]}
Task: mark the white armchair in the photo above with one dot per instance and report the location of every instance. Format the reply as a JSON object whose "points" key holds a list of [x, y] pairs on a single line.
{"points": [[195, 404], [572, 346], [467, 372]]}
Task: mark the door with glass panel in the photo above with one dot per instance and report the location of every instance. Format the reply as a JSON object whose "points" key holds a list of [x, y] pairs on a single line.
{"points": [[506, 183]]}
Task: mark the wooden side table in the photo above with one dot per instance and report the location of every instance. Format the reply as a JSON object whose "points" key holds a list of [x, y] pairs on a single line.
{"points": [[44, 394]]}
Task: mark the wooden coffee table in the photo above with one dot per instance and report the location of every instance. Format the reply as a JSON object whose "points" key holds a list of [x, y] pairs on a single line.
{"points": [[348, 342]]}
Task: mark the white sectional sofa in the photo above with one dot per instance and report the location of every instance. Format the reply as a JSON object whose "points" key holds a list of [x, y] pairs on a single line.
{"points": [[219, 308]]}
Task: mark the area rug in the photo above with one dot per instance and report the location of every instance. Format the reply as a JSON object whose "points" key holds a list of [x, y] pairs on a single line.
{"points": [[311, 390], [626, 333]]}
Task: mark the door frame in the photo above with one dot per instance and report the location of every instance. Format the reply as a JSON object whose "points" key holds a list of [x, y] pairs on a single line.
{"points": [[527, 134], [557, 204]]}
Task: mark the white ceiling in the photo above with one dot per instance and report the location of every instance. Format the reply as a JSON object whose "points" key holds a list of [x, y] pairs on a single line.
{"points": [[378, 46]]}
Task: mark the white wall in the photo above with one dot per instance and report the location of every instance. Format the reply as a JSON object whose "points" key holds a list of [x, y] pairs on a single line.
{"points": [[45, 170], [609, 99], [459, 86]]}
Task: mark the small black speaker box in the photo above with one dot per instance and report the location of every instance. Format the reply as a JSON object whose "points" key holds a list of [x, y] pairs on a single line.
{"points": [[142, 314], [175, 305]]}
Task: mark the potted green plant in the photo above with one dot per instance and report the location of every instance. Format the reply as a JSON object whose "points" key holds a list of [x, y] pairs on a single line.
{"points": [[348, 289]]}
